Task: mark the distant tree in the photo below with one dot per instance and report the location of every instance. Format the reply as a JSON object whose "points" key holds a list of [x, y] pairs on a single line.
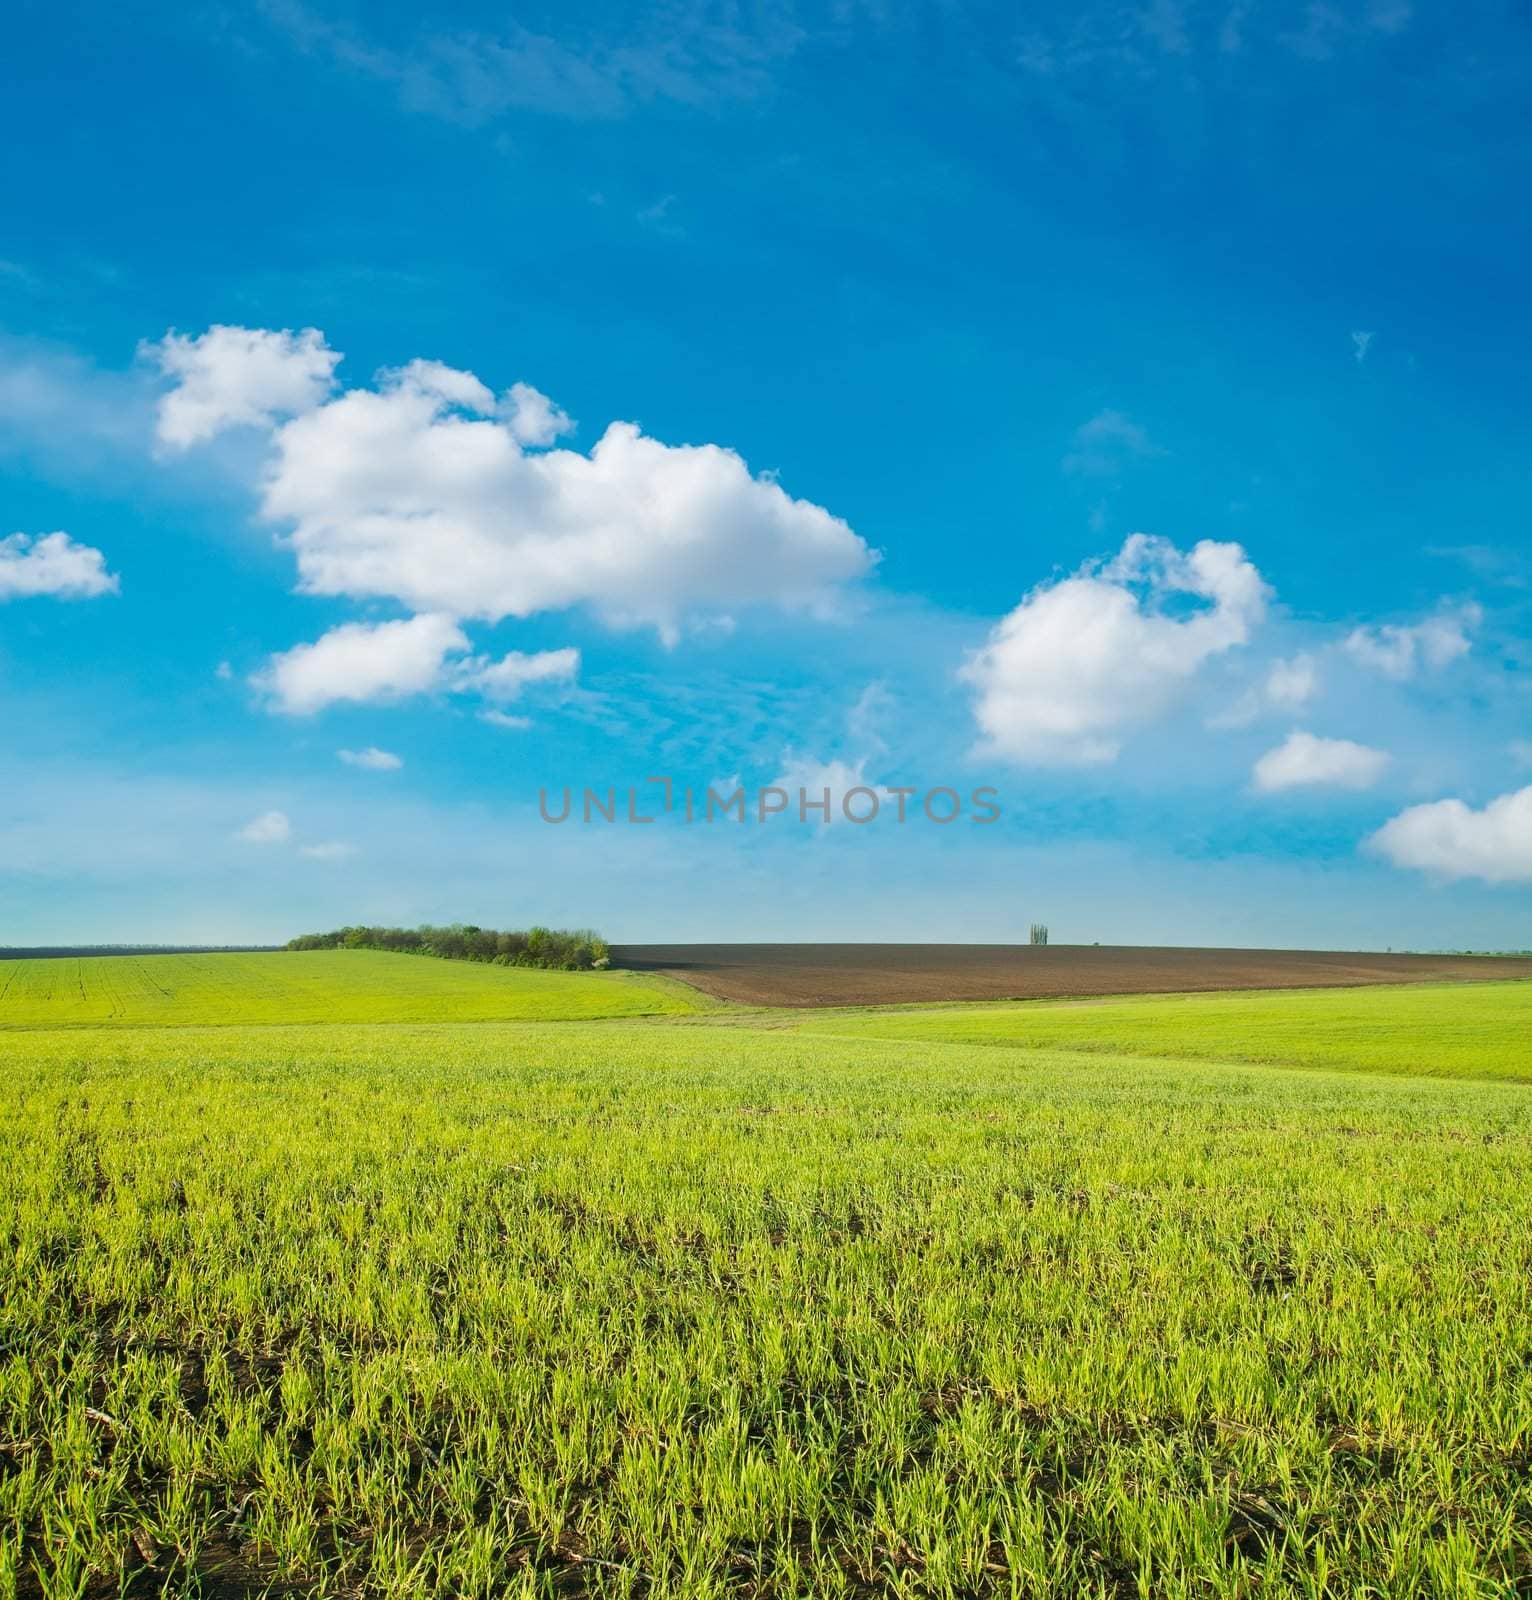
{"points": [[575, 950], [1038, 934]]}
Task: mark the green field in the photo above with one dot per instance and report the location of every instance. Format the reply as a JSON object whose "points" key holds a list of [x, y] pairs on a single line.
{"points": [[315, 986], [765, 1306], [1438, 1030]]}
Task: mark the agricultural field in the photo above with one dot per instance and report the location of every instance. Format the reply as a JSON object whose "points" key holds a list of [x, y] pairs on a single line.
{"points": [[893, 974], [1435, 1030], [315, 986], [772, 1304]]}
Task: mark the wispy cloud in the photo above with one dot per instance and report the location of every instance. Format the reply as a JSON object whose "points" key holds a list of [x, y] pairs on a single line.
{"points": [[18, 276], [687, 54], [1107, 443], [659, 216], [868, 719], [371, 759], [1289, 685], [1401, 651], [1134, 39], [330, 850], [271, 827], [508, 677], [59, 406]]}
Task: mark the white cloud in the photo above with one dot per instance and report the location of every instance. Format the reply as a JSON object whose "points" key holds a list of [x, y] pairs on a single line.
{"points": [[504, 719], [809, 772], [237, 377], [1521, 752], [1082, 660], [532, 417], [1400, 652], [271, 827], [506, 678], [334, 850], [371, 759], [689, 55], [1303, 760], [658, 215], [1105, 444], [385, 661], [20, 275], [870, 715], [361, 661], [62, 409], [1453, 840], [1289, 685], [421, 490], [52, 564], [450, 385], [1360, 342], [805, 778]]}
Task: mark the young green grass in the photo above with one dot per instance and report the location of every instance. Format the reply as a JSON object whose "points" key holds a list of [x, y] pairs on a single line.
{"points": [[317, 986], [647, 1309], [1446, 1030]]}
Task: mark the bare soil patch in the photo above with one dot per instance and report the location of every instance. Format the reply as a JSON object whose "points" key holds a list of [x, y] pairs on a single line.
{"points": [[887, 974]]}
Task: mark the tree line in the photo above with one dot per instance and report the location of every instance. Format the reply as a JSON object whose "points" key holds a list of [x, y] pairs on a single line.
{"points": [[564, 950], [17, 952]]}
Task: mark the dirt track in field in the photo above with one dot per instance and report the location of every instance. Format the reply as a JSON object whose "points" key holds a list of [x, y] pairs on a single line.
{"points": [[885, 974]]}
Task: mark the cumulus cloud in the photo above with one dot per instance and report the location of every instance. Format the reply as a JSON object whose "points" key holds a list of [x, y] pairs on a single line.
{"points": [[416, 492], [362, 661], [1303, 760], [237, 377], [505, 679], [504, 719], [1400, 652], [52, 564], [1080, 661], [428, 491], [532, 417], [1452, 840], [371, 759], [271, 827]]}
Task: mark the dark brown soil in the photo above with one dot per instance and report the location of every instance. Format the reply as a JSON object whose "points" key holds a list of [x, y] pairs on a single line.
{"points": [[885, 974]]}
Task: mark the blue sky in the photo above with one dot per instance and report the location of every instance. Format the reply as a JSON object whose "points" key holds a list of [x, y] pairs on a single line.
{"points": [[1120, 406]]}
